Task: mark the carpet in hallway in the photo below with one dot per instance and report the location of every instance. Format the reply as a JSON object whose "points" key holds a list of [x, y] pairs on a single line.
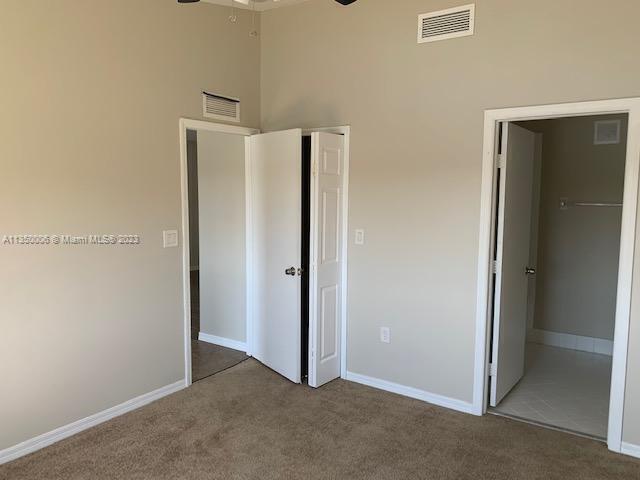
{"points": [[208, 359]]}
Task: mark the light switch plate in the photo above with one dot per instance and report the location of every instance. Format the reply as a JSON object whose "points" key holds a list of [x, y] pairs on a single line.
{"points": [[359, 237], [170, 238], [385, 335]]}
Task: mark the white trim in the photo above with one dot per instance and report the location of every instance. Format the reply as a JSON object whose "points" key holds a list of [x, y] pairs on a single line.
{"points": [[630, 449], [314, 221], [248, 208], [183, 125], [627, 244], [223, 342], [192, 124], [441, 401], [344, 130], [581, 343], [49, 438], [186, 260]]}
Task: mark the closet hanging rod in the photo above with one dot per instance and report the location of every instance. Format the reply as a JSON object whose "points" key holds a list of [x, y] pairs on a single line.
{"points": [[565, 203]]}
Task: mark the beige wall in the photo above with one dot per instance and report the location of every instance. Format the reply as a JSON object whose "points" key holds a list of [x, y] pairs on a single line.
{"points": [[87, 328], [91, 94], [221, 202], [578, 248], [416, 113], [192, 181]]}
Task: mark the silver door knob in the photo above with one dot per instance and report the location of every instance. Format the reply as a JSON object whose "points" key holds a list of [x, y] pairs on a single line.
{"points": [[290, 271], [529, 271]]}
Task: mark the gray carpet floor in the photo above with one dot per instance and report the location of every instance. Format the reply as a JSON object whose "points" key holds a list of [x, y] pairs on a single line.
{"points": [[249, 423]]}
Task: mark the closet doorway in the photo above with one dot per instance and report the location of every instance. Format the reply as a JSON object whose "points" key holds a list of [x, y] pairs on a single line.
{"points": [[559, 216], [559, 199]]}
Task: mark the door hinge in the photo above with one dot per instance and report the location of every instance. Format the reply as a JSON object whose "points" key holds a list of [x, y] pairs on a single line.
{"points": [[494, 266], [493, 369], [314, 168], [501, 161]]}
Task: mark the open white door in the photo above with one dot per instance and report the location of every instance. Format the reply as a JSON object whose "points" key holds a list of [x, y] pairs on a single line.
{"points": [[512, 250], [275, 253], [325, 282]]}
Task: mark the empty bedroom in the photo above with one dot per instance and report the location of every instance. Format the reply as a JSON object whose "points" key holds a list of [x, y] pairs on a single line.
{"points": [[351, 239]]}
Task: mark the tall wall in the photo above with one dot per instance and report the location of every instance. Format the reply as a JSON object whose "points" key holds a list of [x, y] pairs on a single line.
{"points": [[416, 113], [91, 94], [119, 74]]}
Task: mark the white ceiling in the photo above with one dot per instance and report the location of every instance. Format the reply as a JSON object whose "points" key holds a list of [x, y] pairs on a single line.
{"points": [[260, 5]]}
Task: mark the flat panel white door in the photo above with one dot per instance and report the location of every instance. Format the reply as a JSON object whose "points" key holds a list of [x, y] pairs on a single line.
{"points": [[275, 251], [325, 284], [512, 242]]}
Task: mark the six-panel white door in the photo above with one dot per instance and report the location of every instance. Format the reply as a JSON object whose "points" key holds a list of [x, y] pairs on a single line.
{"points": [[326, 257]]}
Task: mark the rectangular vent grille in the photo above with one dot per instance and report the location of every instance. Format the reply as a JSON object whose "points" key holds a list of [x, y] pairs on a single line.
{"points": [[220, 107], [606, 132], [445, 24]]}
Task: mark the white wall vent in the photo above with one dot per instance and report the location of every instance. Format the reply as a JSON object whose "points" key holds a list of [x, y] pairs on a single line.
{"points": [[445, 24], [220, 107], [606, 132]]}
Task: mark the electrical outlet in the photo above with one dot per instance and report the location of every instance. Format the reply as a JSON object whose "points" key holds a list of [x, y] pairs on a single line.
{"points": [[385, 335]]}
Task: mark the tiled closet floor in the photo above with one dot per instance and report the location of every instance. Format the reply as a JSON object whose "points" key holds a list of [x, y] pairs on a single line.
{"points": [[562, 388]]}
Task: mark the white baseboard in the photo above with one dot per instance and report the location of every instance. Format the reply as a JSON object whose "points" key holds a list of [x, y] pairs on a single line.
{"points": [[572, 342], [61, 433], [630, 449], [223, 342], [447, 402]]}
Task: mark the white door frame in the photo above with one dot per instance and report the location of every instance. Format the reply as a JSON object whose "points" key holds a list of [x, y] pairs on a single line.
{"points": [[346, 132], [492, 118], [191, 124], [184, 125]]}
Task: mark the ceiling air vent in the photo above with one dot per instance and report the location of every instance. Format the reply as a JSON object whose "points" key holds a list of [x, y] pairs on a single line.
{"points": [[445, 24], [220, 107], [606, 132]]}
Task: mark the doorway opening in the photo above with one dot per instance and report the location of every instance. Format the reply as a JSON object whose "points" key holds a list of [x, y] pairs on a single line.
{"points": [[559, 211], [216, 207], [489, 238], [269, 235], [297, 252]]}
